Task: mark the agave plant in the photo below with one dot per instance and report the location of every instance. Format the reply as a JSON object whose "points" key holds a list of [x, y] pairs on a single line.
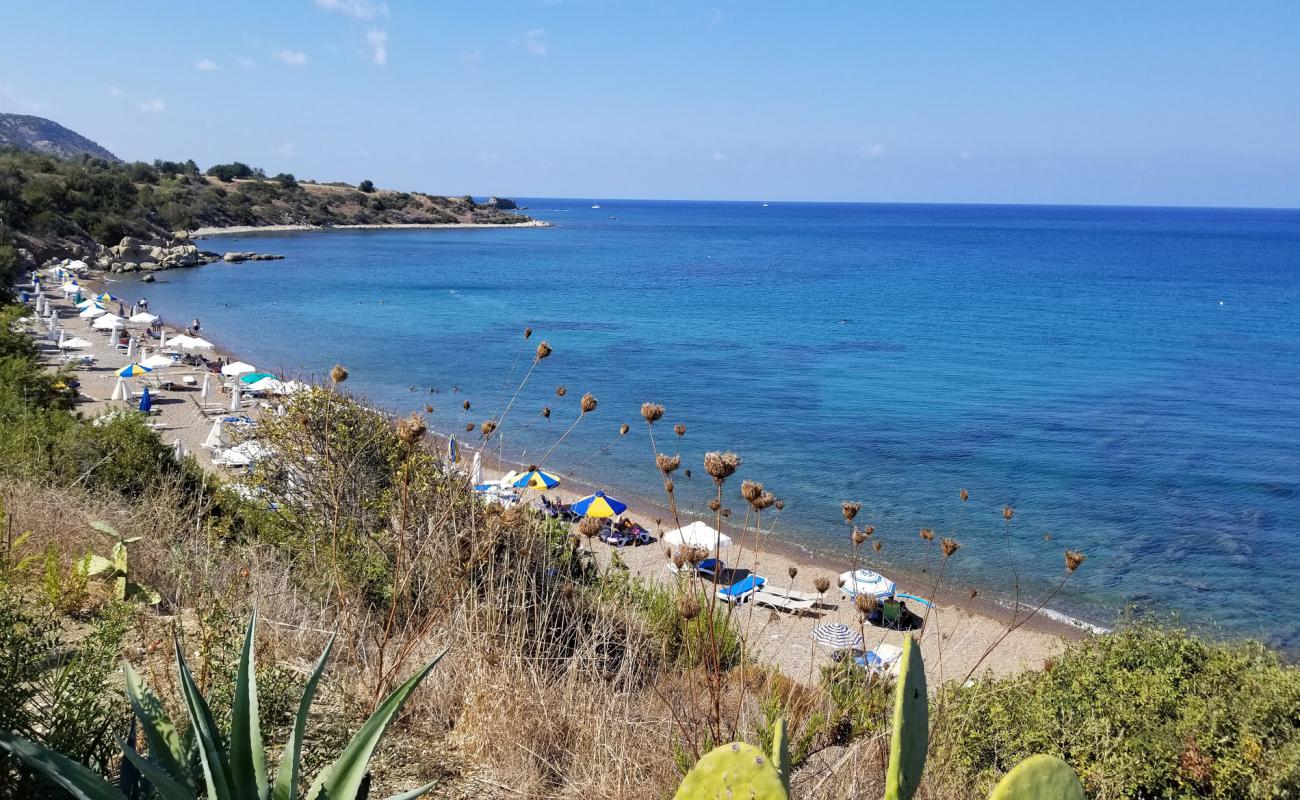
{"points": [[117, 568], [234, 772]]}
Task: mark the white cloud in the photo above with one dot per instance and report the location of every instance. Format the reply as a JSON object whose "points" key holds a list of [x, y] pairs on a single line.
{"points": [[535, 41], [206, 65], [154, 106], [113, 91], [359, 9], [21, 103], [718, 155], [377, 38], [294, 58], [868, 151], [245, 63], [288, 149]]}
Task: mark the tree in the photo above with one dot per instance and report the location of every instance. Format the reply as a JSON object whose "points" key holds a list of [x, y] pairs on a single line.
{"points": [[231, 171], [286, 180], [366, 186]]}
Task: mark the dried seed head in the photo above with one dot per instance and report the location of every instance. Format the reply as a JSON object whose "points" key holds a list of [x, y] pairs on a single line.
{"points": [[590, 526], [339, 373], [1008, 512], [669, 486], [528, 332], [858, 537], [667, 464], [679, 429], [714, 505], [688, 607], [927, 534], [877, 545], [949, 546], [793, 572], [588, 403], [780, 504], [822, 585], [840, 581], [428, 409], [721, 465], [623, 429], [1073, 558], [750, 490], [465, 405], [469, 426], [679, 558], [546, 412], [560, 391], [974, 592], [866, 603], [488, 428], [543, 350], [687, 472], [411, 429], [868, 530], [652, 412], [696, 554], [965, 495], [765, 500], [850, 510], [726, 513]]}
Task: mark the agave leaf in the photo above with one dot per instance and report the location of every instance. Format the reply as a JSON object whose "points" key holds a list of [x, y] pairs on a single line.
{"points": [[157, 777], [104, 527], [94, 565], [165, 747], [119, 557], [142, 594], [247, 758], [286, 779], [216, 771], [76, 778], [414, 793], [342, 779]]}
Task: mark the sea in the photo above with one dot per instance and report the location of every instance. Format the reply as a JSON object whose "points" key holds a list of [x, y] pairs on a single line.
{"points": [[1127, 380]]}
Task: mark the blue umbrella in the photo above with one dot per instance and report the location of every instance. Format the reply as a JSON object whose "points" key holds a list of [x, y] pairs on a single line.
{"points": [[146, 402], [453, 450], [599, 505]]}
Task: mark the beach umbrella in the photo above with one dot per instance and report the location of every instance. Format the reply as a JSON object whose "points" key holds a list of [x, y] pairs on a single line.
{"points": [[144, 318], [105, 297], [254, 377], [534, 478], [120, 392], [133, 371], [599, 505], [235, 397], [453, 450], [75, 343], [476, 469], [92, 311], [697, 534], [63, 337], [178, 450], [106, 322], [865, 581], [216, 437], [157, 361], [836, 636], [162, 339], [205, 393], [194, 343], [146, 401], [130, 349], [88, 302], [266, 385], [235, 368]]}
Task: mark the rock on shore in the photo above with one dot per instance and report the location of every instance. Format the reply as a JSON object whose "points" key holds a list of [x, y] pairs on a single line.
{"points": [[132, 254]]}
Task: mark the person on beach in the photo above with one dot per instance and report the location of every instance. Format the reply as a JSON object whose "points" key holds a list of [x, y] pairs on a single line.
{"points": [[144, 304], [195, 324]]}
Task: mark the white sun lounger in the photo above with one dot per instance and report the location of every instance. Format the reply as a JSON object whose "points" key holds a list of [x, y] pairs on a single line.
{"points": [[795, 594], [782, 602]]}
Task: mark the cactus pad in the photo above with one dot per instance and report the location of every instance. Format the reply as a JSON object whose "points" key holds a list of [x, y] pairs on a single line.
{"points": [[911, 732], [1039, 777], [736, 771], [781, 752]]}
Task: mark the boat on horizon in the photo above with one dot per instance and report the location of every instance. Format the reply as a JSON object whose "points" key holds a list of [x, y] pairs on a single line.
{"points": [[594, 204]]}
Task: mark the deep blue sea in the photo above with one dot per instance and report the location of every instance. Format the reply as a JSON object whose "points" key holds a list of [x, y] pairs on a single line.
{"points": [[1128, 379]]}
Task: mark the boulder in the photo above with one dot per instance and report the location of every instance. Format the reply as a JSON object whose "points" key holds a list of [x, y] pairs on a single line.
{"points": [[233, 258], [147, 279], [505, 204]]}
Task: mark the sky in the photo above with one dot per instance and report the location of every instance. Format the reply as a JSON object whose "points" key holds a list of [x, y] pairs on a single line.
{"points": [[1164, 102]]}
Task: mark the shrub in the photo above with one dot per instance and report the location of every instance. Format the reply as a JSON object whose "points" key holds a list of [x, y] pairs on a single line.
{"points": [[366, 186], [230, 172]]}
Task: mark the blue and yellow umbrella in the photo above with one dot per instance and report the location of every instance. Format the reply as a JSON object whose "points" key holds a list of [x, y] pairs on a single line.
{"points": [[536, 479], [599, 505], [105, 297], [132, 370]]}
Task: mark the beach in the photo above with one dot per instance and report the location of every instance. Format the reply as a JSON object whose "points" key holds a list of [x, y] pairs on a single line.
{"points": [[959, 631], [236, 230]]}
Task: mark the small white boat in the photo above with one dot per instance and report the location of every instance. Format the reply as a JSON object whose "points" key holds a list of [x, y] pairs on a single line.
{"points": [[594, 204], [765, 205]]}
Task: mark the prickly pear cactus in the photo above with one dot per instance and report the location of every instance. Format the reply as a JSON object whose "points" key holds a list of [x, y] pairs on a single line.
{"points": [[911, 725], [735, 770], [781, 752], [1039, 777]]}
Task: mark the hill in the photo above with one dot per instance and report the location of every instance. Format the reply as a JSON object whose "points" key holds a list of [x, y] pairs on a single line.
{"points": [[40, 135]]}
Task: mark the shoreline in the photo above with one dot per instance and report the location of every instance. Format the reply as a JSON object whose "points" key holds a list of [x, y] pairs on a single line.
{"points": [[238, 230], [959, 626]]}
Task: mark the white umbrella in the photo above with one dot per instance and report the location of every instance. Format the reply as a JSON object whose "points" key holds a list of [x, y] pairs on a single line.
{"points": [[235, 397], [158, 360], [237, 368], [120, 392], [92, 311], [162, 339], [215, 438], [178, 450], [266, 385], [63, 337], [75, 343], [205, 393], [190, 342], [697, 534], [865, 581], [130, 349], [107, 322], [144, 318], [88, 302], [476, 469]]}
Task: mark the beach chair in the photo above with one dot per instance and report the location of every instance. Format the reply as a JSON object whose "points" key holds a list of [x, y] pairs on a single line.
{"points": [[891, 613], [795, 594], [741, 590], [884, 660], [709, 568], [783, 602]]}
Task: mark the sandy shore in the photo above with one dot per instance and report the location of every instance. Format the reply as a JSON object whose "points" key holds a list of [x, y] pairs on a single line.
{"points": [[955, 637], [233, 230]]}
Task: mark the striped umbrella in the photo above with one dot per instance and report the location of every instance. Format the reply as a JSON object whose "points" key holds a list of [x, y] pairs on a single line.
{"points": [[132, 370], [836, 636], [534, 478], [599, 505], [453, 450]]}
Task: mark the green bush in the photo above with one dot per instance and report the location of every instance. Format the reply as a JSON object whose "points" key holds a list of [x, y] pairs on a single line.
{"points": [[1143, 712]]}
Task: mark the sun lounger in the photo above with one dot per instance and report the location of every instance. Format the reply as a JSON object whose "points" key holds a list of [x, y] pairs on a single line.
{"points": [[783, 603], [741, 590], [885, 660], [795, 594], [709, 568], [618, 537]]}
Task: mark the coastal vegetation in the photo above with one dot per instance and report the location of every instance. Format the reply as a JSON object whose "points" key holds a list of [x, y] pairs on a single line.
{"points": [[564, 675]]}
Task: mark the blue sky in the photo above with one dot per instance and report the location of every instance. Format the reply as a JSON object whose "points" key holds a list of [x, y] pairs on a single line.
{"points": [[1156, 102]]}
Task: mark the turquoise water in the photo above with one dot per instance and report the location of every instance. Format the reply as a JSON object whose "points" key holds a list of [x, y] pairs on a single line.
{"points": [[1128, 379]]}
